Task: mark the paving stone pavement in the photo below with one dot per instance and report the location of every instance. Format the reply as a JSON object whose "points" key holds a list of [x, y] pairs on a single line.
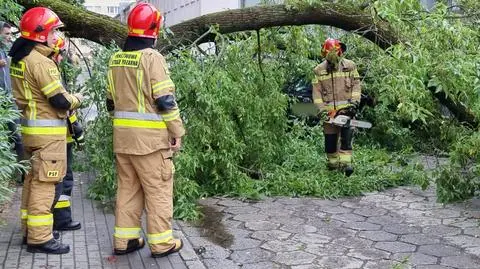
{"points": [[91, 246], [398, 228]]}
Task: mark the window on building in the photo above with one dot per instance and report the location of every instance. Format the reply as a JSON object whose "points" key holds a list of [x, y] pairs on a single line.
{"points": [[249, 3], [94, 8], [112, 10]]}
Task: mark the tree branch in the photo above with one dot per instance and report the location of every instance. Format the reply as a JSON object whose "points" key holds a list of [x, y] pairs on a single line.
{"points": [[102, 29]]}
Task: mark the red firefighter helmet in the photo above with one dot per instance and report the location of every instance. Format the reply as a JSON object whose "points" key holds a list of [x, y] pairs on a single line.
{"points": [[333, 44], [144, 21], [37, 22]]}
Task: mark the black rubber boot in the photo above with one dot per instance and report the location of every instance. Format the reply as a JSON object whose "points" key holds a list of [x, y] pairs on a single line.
{"points": [[133, 245], [175, 248], [349, 171], [50, 247], [56, 235], [73, 225]]}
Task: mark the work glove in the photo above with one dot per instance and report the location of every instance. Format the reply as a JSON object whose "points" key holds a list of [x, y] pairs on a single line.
{"points": [[350, 111], [80, 143]]}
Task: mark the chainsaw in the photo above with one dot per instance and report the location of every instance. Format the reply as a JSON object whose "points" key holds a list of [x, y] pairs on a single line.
{"points": [[346, 121], [310, 110]]}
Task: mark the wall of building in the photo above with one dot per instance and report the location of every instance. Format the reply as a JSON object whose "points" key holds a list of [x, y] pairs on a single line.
{"points": [[106, 7], [208, 6], [177, 11]]}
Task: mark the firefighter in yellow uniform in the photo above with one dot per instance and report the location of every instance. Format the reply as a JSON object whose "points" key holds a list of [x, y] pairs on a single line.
{"points": [[147, 129], [337, 91], [44, 104], [62, 212]]}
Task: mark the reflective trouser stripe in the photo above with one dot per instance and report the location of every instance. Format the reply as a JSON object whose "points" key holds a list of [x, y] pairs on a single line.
{"points": [[160, 238], [332, 158], [345, 157], [23, 214], [62, 204], [127, 233], [63, 201], [39, 220]]}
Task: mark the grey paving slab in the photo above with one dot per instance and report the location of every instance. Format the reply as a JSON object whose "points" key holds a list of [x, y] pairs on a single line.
{"points": [[91, 246], [398, 228]]}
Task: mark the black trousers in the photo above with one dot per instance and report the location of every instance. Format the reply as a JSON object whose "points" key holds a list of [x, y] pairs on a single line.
{"points": [[62, 211]]}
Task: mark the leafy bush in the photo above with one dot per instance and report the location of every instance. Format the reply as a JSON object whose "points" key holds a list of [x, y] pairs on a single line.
{"points": [[9, 168], [236, 113], [236, 119]]}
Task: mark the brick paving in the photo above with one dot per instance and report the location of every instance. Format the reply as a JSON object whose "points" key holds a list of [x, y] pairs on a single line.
{"points": [[396, 229], [91, 246], [399, 228]]}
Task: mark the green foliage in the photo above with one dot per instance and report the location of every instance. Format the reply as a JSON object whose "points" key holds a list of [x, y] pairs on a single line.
{"points": [[460, 180], [75, 2], [9, 168], [236, 118], [236, 113], [99, 148], [10, 11], [70, 73]]}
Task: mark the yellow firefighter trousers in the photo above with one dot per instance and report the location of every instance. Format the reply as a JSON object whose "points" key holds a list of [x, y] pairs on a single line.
{"points": [[48, 166], [338, 145], [145, 181]]}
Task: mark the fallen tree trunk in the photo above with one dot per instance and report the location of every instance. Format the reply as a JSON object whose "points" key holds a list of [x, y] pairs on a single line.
{"points": [[103, 29], [462, 113], [83, 23]]}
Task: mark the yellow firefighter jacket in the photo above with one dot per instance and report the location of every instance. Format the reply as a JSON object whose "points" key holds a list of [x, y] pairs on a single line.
{"points": [[35, 79], [136, 79], [336, 89]]}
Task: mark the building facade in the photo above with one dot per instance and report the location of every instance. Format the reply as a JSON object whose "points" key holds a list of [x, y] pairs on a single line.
{"points": [[177, 11], [106, 7]]}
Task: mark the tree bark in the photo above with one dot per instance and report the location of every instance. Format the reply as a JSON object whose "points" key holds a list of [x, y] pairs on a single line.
{"points": [[103, 29], [82, 23], [255, 18], [462, 113]]}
